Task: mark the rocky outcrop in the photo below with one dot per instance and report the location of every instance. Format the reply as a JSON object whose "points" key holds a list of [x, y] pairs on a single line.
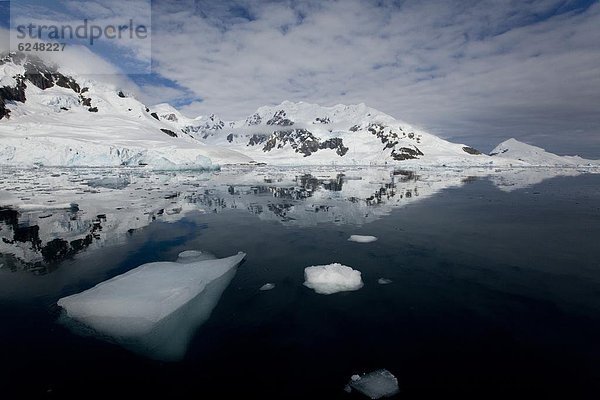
{"points": [[470, 150], [169, 132], [37, 73], [279, 118], [303, 142], [406, 153]]}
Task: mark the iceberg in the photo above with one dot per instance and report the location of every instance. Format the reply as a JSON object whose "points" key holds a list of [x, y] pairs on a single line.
{"points": [[154, 309], [332, 278], [362, 239], [384, 281], [267, 286], [375, 385]]}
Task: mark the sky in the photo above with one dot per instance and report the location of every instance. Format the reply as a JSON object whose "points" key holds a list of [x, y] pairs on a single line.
{"points": [[472, 71]]}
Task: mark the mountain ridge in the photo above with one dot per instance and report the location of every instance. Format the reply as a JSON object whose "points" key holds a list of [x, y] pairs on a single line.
{"points": [[48, 118]]}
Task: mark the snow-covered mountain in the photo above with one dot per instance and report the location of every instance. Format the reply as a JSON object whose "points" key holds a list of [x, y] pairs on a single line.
{"points": [[512, 149], [303, 133], [49, 118], [308, 134]]}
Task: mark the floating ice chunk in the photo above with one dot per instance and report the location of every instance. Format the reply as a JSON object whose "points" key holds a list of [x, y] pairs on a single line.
{"points": [[362, 239], [155, 308], [109, 182], [376, 384], [384, 281], [190, 256], [267, 286], [333, 278]]}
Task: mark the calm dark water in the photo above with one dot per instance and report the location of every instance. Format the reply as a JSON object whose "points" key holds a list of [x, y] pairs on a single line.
{"points": [[494, 294]]}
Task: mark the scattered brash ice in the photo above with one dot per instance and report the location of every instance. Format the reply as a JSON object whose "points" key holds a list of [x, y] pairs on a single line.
{"points": [[332, 278], [375, 385], [156, 308], [362, 239], [267, 286]]}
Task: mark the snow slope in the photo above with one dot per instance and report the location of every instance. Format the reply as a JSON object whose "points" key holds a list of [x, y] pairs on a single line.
{"points": [[304, 134], [513, 149], [50, 119]]}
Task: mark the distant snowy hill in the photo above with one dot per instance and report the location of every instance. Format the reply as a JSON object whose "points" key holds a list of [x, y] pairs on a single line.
{"points": [[512, 149], [51, 119]]}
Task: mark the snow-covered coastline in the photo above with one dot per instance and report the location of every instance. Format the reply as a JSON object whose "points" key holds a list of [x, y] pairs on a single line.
{"points": [[52, 119]]}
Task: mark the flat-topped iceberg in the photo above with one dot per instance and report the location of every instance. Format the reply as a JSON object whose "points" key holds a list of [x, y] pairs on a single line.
{"points": [[155, 308], [332, 278], [362, 239]]}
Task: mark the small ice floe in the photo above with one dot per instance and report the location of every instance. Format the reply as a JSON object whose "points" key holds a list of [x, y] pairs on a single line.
{"points": [[156, 308], [384, 281], [332, 278], [362, 239], [267, 286], [194, 255], [374, 385]]}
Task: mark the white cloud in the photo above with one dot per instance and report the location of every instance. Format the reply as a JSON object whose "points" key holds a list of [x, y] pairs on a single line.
{"points": [[457, 68]]}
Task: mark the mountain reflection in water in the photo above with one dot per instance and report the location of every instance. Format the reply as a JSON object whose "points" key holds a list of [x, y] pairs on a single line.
{"points": [[48, 215]]}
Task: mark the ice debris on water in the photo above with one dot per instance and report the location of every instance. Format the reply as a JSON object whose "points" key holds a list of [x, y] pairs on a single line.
{"points": [[156, 308], [267, 286], [384, 281], [332, 278], [362, 239], [375, 385]]}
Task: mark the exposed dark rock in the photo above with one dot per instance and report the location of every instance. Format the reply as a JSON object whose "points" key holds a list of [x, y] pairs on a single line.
{"points": [[496, 153], [93, 109], [8, 94], [67, 82], [254, 119], [335, 143], [85, 101], [121, 94], [322, 120], [406, 153], [354, 128], [155, 115], [230, 137], [304, 142], [471, 150], [257, 139], [169, 132], [279, 118]]}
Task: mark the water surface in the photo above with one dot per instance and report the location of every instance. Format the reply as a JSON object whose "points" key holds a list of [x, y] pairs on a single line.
{"points": [[495, 280]]}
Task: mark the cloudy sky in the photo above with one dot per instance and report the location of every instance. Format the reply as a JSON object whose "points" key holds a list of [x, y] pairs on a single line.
{"points": [[472, 71]]}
